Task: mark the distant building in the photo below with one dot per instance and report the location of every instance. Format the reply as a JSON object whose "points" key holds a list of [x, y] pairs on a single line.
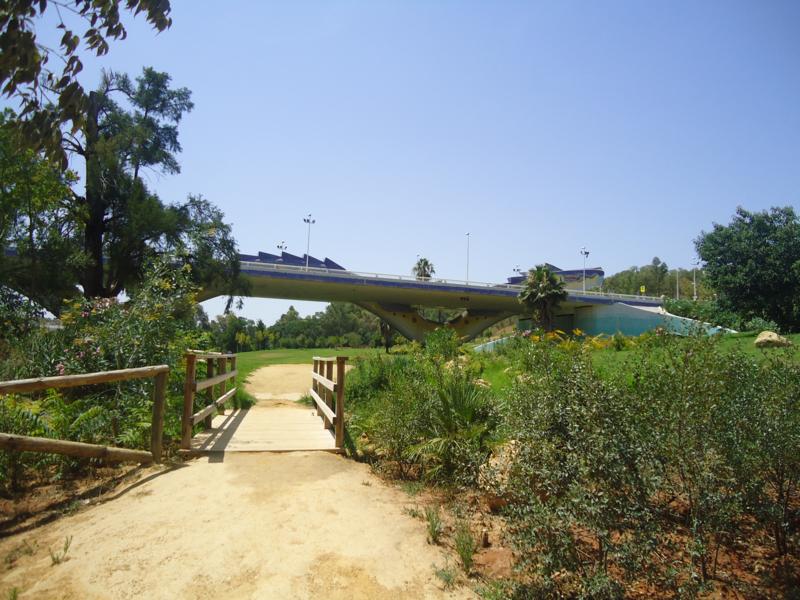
{"points": [[572, 278]]}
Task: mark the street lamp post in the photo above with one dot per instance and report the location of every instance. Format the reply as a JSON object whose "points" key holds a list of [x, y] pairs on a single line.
{"points": [[695, 262], [308, 221], [585, 254], [467, 280], [677, 283]]}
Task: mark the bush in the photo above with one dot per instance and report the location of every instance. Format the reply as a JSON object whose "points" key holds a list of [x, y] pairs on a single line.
{"points": [[423, 411], [618, 479], [154, 327]]}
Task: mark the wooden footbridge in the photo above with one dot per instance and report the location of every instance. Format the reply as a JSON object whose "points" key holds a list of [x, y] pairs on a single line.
{"points": [[276, 426], [281, 426]]}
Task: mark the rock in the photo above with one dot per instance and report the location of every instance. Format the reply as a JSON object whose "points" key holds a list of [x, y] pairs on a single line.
{"points": [[770, 339], [494, 474], [485, 538]]}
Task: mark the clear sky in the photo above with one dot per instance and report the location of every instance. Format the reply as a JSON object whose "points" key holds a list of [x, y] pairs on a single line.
{"points": [[539, 127]]}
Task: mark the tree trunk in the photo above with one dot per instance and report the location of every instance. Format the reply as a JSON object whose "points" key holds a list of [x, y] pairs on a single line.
{"points": [[94, 225]]}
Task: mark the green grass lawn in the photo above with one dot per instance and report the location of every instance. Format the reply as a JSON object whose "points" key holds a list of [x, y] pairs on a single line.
{"points": [[608, 359], [247, 362]]}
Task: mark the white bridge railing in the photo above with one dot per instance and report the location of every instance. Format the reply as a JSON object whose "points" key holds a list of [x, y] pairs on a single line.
{"points": [[338, 273]]}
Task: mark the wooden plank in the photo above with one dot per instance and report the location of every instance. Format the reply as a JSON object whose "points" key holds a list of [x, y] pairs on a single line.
{"points": [[209, 390], [201, 385], [203, 355], [328, 395], [157, 424], [206, 411], [321, 379], [23, 443], [222, 367], [326, 410], [224, 398], [325, 358], [65, 381], [202, 414], [188, 402], [339, 425]]}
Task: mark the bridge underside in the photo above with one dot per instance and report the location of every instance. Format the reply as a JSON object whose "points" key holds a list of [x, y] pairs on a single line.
{"points": [[407, 320]]}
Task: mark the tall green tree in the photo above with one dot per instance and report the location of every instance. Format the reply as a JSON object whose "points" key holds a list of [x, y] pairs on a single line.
{"points": [[423, 269], [754, 264], [44, 79], [38, 254], [541, 293]]}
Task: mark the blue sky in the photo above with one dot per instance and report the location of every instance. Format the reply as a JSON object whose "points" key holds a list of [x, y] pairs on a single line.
{"points": [[539, 127]]}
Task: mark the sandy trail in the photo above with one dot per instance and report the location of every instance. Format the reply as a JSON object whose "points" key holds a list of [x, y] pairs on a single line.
{"points": [[246, 525]]}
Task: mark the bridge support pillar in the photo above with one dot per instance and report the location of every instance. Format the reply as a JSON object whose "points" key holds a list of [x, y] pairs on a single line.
{"points": [[414, 326]]}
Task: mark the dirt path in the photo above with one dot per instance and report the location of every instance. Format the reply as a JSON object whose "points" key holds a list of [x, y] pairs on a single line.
{"points": [[299, 525]]}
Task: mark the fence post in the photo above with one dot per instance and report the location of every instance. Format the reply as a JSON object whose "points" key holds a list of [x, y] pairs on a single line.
{"points": [[339, 425], [223, 387], [314, 385], [188, 402], [209, 392], [157, 425], [327, 395], [233, 379]]}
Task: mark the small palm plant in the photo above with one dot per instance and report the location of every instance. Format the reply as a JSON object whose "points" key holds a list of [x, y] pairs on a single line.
{"points": [[542, 292], [423, 269], [459, 426]]}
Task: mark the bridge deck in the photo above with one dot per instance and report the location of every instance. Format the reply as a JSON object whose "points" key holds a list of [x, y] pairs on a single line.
{"points": [[281, 427]]}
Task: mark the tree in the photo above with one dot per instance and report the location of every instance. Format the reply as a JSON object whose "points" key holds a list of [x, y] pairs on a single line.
{"points": [[120, 215], [50, 99], [423, 269], [38, 254], [542, 292], [754, 264]]}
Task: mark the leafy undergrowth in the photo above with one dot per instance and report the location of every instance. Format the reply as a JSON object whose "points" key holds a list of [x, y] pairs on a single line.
{"points": [[673, 474]]}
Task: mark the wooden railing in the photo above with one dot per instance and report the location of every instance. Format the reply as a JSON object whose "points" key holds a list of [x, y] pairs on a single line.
{"points": [[215, 362], [328, 393], [79, 449]]}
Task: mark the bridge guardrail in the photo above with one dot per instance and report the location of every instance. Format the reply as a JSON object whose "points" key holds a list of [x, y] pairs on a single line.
{"points": [[323, 389], [257, 266], [192, 385]]}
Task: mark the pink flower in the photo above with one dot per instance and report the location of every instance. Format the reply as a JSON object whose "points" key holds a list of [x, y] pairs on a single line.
{"points": [[60, 368]]}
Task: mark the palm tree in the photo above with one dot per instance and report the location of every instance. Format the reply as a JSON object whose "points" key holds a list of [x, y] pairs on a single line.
{"points": [[542, 292], [423, 269]]}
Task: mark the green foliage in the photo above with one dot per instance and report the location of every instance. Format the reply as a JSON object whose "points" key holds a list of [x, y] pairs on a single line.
{"points": [[154, 327], [24, 63], [542, 292], [423, 269], [659, 280], [339, 325], [754, 264], [706, 311], [38, 250], [59, 556], [465, 545], [423, 411], [645, 472], [433, 521]]}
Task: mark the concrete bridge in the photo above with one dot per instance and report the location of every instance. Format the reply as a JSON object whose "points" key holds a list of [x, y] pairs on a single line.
{"points": [[394, 298]]}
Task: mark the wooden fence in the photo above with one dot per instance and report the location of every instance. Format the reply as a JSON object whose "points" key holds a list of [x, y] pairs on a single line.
{"points": [[215, 362], [79, 449], [328, 393]]}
